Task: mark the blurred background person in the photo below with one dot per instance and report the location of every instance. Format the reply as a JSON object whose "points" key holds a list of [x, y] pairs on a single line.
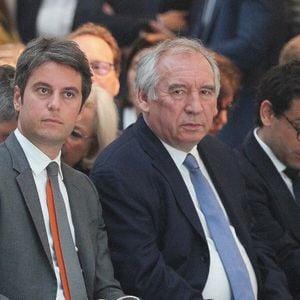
{"points": [[230, 80], [290, 51], [96, 128], [10, 52], [8, 31], [103, 54], [60, 17], [128, 108], [293, 16], [8, 114]]}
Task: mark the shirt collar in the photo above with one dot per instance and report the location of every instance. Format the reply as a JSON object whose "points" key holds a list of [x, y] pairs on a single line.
{"points": [[277, 163], [178, 155], [37, 159]]}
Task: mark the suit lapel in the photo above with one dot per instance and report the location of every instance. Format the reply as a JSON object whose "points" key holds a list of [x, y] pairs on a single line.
{"points": [[165, 165], [28, 189], [281, 196], [218, 164], [81, 224]]}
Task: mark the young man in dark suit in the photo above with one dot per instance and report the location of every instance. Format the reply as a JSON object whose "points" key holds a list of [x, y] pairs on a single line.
{"points": [[270, 155], [162, 228], [52, 82]]}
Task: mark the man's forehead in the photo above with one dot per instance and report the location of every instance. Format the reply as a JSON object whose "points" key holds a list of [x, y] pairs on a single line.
{"points": [[53, 73]]}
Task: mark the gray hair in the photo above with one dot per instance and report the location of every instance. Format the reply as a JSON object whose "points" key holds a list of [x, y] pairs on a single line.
{"points": [[43, 50], [147, 75], [7, 110]]}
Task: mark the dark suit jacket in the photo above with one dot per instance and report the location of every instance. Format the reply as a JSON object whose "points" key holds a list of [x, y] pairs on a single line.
{"points": [[158, 246], [26, 269], [276, 212]]}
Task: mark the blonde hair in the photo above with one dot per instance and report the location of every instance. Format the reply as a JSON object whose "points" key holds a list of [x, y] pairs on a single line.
{"points": [[105, 123]]}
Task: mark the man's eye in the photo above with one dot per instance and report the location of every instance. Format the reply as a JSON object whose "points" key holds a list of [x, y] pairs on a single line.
{"points": [[43, 90], [69, 94], [207, 93], [177, 92]]}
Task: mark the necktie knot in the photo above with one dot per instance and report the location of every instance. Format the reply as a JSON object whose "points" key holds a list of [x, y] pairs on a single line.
{"points": [[52, 169], [191, 163], [293, 174]]}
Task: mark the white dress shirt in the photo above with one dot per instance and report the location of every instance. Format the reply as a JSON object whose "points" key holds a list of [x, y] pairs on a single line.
{"points": [[38, 162], [217, 286], [280, 167]]}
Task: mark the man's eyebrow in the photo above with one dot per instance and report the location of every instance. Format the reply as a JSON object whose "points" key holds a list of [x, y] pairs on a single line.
{"points": [[182, 85], [209, 87], [177, 85], [39, 83], [71, 88]]}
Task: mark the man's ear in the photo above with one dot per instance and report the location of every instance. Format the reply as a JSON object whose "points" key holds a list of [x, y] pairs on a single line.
{"points": [[17, 98], [142, 101], [266, 112]]}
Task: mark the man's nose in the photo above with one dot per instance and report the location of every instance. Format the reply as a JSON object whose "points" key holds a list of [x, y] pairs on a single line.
{"points": [[54, 102], [195, 103]]}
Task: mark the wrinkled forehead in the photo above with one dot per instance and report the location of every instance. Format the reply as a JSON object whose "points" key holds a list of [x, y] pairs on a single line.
{"points": [[185, 64]]}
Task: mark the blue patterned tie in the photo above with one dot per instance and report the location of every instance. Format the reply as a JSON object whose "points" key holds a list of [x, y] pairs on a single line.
{"points": [[221, 234]]}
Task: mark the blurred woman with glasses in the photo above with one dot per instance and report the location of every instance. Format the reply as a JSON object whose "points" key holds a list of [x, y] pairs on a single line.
{"points": [[94, 130], [103, 54]]}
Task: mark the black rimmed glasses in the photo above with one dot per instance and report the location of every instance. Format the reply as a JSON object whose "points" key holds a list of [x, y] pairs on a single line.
{"points": [[101, 68], [297, 128]]}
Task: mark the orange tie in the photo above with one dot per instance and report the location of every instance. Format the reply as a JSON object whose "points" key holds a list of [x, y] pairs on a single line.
{"points": [[56, 240]]}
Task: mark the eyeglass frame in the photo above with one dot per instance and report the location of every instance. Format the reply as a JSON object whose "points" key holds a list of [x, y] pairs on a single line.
{"points": [[109, 66], [297, 129]]}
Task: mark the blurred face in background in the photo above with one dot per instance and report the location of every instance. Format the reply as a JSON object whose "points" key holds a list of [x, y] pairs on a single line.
{"points": [[225, 101], [6, 127], [78, 144], [131, 74], [100, 57]]}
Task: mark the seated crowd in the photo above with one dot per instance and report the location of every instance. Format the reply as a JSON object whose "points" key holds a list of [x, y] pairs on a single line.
{"points": [[136, 172]]}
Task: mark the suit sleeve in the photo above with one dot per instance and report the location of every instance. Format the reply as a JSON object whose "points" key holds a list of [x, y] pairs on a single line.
{"points": [[134, 218], [105, 286], [270, 237]]}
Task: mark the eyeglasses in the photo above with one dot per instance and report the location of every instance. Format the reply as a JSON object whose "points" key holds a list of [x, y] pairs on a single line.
{"points": [[297, 128], [76, 135], [101, 68]]}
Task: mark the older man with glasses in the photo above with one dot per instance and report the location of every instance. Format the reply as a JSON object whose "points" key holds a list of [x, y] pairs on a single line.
{"points": [[103, 54], [270, 160]]}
